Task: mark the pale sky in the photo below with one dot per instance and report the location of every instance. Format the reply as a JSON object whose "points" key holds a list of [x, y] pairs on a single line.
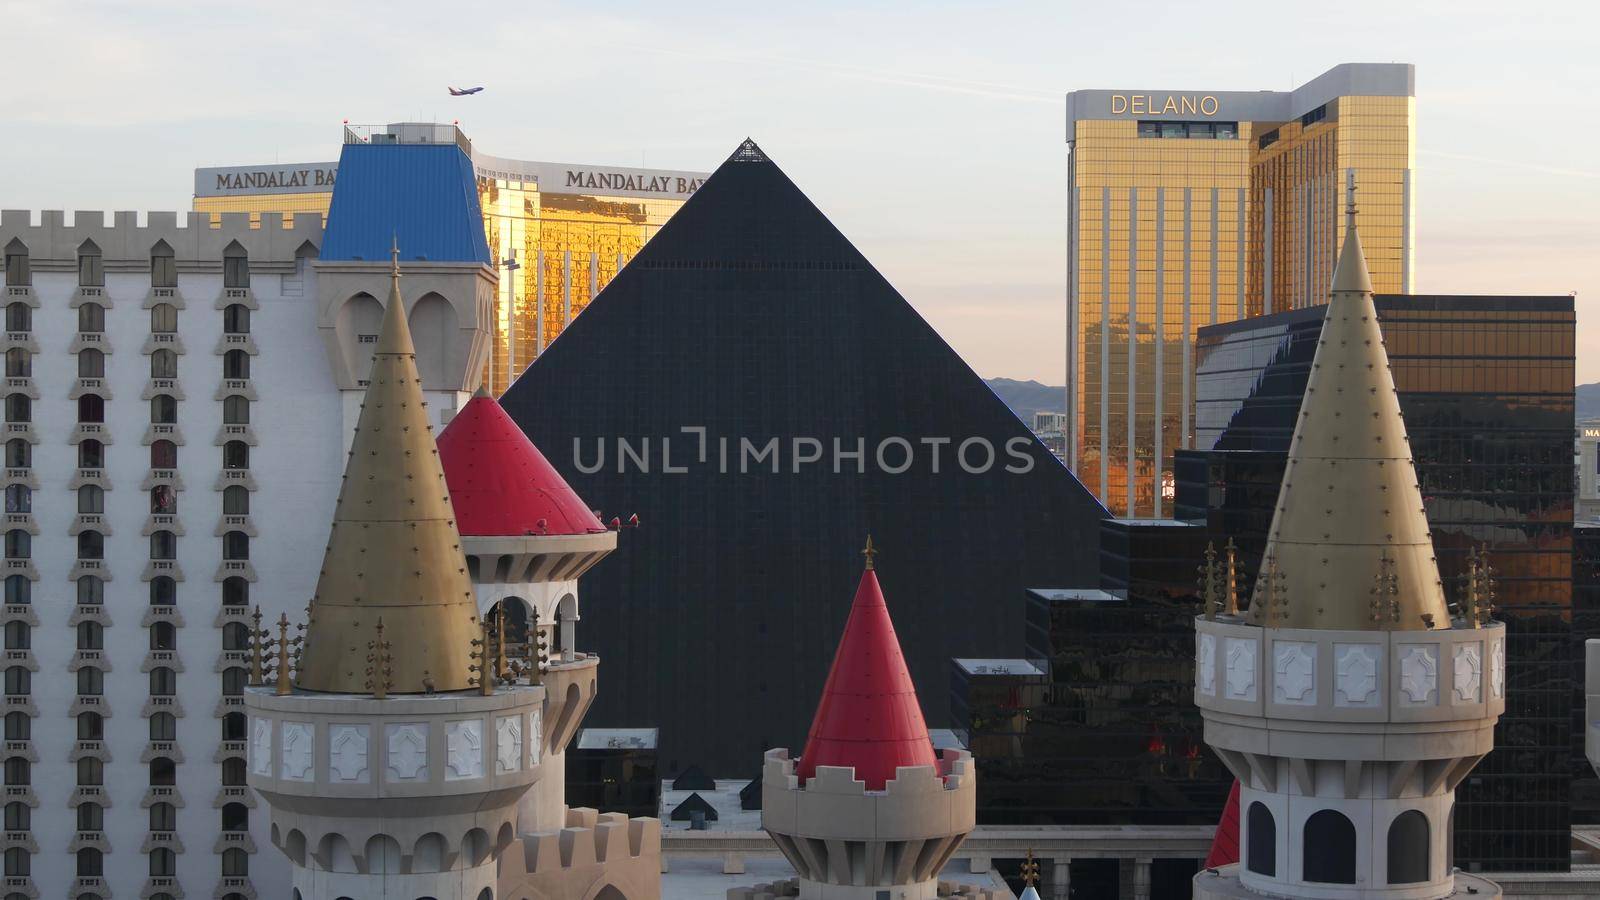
{"points": [[930, 133]]}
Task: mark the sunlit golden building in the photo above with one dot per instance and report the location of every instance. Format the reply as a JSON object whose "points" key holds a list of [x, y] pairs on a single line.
{"points": [[1190, 208], [557, 232]]}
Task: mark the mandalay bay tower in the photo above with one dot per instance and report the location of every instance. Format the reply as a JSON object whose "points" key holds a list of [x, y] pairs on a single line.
{"points": [[1190, 208]]}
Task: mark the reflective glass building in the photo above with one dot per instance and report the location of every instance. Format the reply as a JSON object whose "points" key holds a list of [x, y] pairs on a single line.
{"points": [[557, 232], [1191, 208], [1486, 389]]}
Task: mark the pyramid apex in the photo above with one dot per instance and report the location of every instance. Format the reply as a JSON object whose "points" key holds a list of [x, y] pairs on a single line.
{"points": [[748, 152]]}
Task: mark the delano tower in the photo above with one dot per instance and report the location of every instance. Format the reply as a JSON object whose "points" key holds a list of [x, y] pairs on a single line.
{"points": [[1189, 208]]}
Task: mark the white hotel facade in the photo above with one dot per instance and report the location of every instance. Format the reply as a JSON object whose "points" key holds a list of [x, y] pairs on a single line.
{"points": [[175, 399]]}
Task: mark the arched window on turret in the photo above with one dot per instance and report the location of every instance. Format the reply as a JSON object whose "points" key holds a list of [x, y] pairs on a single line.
{"points": [[91, 268], [1408, 848], [1329, 848], [163, 266], [18, 271], [235, 266]]}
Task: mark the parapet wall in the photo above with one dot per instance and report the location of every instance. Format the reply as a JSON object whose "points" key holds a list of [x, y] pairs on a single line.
{"points": [[791, 888], [593, 851], [125, 245]]}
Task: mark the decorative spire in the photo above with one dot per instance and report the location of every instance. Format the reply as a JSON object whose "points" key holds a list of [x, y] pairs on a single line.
{"points": [[393, 550], [1350, 510], [869, 552]]}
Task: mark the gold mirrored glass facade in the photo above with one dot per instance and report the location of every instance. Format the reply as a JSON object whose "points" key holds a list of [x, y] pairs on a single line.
{"points": [[1189, 209]]}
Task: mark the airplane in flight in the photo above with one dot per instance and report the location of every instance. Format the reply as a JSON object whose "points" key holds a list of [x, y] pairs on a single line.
{"points": [[462, 92]]}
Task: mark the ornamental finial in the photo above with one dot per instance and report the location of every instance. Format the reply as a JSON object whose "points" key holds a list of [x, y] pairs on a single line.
{"points": [[869, 551]]}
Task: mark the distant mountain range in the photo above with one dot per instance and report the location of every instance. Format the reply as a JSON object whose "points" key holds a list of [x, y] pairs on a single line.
{"points": [[1028, 397], [1587, 405]]}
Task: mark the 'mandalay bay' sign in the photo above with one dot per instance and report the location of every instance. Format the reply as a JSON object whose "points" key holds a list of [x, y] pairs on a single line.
{"points": [[291, 178]]}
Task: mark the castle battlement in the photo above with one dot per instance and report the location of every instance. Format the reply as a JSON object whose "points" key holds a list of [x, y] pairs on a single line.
{"points": [[53, 243], [579, 860], [954, 771]]}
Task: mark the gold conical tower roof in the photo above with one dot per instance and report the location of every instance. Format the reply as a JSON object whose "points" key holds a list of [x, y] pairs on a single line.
{"points": [[1349, 538], [394, 552]]}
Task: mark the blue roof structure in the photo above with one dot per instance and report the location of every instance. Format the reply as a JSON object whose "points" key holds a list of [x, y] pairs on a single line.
{"points": [[424, 195]]}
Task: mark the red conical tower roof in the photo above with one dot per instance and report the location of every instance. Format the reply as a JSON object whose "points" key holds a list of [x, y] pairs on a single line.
{"points": [[499, 481], [869, 717], [1225, 843]]}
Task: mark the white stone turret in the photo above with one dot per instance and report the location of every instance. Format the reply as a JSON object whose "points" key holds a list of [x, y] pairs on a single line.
{"points": [[1349, 700]]}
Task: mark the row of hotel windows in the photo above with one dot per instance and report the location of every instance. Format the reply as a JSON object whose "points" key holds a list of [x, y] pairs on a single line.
{"points": [[163, 545], [163, 318], [163, 265], [163, 592]]}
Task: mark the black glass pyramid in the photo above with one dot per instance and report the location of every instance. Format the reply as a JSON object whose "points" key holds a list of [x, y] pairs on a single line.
{"points": [[750, 316]]}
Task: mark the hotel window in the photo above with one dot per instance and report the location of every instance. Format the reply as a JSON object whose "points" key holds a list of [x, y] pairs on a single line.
{"points": [[91, 454], [163, 266], [18, 272], [91, 545], [19, 590], [163, 500], [90, 863], [235, 817], [163, 364], [91, 817], [91, 499], [163, 683], [91, 682], [91, 591], [236, 319], [163, 545], [236, 455], [233, 772], [235, 501], [91, 408], [91, 726], [163, 863], [19, 682], [235, 267], [19, 726], [18, 817], [236, 546], [236, 364], [236, 410], [91, 636], [163, 318], [91, 269], [19, 454], [91, 318], [19, 498], [233, 726], [163, 411], [163, 817], [19, 408], [19, 363], [233, 682], [163, 454], [18, 771], [163, 771], [235, 591], [163, 727], [17, 863], [235, 863], [19, 317], [91, 364], [163, 636], [18, 636], [91, 771], [163, 591], [236, 636], [19, 544]]}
